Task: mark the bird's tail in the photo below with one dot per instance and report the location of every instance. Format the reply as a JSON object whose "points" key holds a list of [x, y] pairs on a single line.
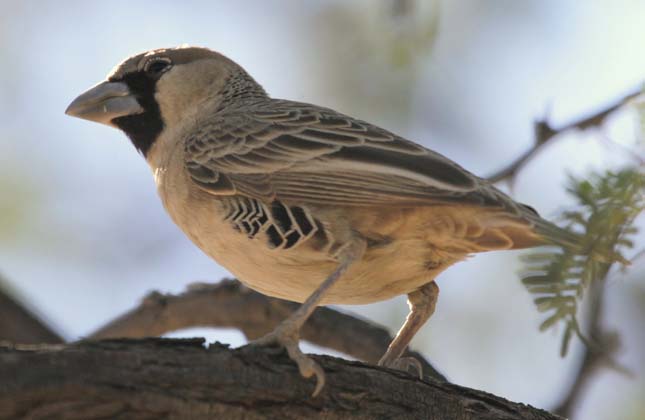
{"points": [[574, 242]]}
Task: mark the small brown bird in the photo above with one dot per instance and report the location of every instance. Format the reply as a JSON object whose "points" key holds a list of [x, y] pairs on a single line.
{"points": [[299, 201]]}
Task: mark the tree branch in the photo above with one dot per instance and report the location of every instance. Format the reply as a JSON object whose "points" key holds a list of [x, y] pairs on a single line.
{"points": [[544, 133], [229, 304], [597, 354], [19, 325], [160, 378]]}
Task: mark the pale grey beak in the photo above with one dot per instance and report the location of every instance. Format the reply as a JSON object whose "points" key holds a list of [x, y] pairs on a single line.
{"points": [[104, 102]]}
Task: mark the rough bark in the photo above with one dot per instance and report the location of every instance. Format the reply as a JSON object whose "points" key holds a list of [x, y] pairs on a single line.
{"points": [[230, 304], [163, 378]]}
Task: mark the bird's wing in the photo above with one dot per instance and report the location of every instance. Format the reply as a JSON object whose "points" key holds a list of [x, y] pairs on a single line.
{"points": [[303, 153]]}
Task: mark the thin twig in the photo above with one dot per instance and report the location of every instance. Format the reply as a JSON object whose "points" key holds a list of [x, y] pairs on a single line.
{"points": [[544, 133], [598, 353], [590, 360], [640, 254]]}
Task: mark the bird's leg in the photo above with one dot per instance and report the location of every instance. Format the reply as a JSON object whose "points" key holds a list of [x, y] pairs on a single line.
{"points": [[422, 303], [287, 333]]}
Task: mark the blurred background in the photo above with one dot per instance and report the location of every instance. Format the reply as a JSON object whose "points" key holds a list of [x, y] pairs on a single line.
{"points": [[83, 236]]}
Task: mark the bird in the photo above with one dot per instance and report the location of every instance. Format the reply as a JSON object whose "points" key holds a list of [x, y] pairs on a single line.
{"points": [[302, 202]]}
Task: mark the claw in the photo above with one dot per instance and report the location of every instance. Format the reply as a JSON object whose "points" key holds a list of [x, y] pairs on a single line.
{"points": [[287, 334], [288, 337], [405, 363], [422, 303]]}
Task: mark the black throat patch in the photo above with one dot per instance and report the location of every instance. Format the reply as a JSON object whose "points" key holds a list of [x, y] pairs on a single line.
{"points": [[142, 129]]}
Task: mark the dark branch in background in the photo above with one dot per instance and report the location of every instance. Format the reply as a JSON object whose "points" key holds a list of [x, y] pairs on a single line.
{"points": [[229, 304], [593, 358], [19, 325], [605, 343], [156, 378], [544, 133], [608, 205]]}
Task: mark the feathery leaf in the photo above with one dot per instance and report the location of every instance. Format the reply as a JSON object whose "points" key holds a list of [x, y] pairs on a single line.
{"points": [[608, 205]]}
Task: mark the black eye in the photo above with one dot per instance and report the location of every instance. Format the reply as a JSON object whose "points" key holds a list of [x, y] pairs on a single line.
{"points": [[157, 66]]}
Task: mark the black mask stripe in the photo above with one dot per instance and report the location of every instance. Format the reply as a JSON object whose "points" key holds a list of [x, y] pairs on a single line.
{"points": [[142, 129]]}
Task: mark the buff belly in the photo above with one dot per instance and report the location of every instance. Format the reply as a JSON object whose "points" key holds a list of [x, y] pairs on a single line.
{"points": [[294, 274], [385, 271]]}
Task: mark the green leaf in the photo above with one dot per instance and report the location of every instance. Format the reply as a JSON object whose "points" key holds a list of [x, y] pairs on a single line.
{"points": [[608, 204]]}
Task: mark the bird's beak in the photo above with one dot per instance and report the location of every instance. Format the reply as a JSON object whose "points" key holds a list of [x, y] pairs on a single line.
{"points": [[105, 102]]}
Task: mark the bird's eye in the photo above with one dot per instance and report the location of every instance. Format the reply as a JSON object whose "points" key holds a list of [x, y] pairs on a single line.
{"points": [[157, 66]]}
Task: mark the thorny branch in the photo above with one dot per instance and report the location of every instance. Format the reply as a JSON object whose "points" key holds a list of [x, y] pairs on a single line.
{"points": [[545, 133], [604, 344], [592, 357]]}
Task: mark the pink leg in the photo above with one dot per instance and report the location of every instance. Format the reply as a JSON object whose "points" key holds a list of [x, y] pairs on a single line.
{"points": [[422, 303], [287, 334]]}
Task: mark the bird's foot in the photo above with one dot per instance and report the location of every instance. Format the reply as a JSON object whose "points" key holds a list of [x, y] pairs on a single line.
{"points": [[406, 364], [287, 335]]}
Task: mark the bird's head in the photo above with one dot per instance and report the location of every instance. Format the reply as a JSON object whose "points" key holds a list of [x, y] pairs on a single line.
{"points": [[160, 88]]}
